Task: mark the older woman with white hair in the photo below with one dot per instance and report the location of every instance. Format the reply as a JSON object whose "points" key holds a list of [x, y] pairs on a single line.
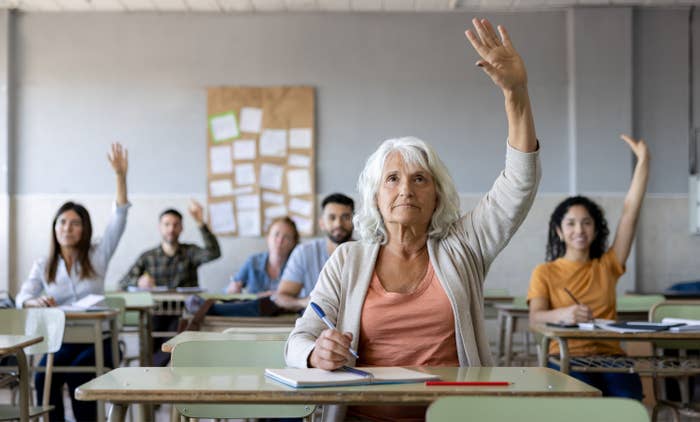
{"points": [[410, 293]]}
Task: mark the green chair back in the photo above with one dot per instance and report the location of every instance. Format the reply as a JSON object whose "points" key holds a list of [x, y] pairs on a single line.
{"points": [[131, 319], [496, 293], [536, 409], [640, 303], [520, 302], [685, 309], [119, 304], [264, 353]]}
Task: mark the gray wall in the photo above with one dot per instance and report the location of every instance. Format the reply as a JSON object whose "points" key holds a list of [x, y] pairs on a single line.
{"points": [[84, 80]]}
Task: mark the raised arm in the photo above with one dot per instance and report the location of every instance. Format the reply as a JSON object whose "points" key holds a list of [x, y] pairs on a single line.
{"points": [[507, 70], [211, 249], [627, 226], [119, 160]]}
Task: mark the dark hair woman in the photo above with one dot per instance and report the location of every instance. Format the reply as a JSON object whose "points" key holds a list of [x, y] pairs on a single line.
{"points": [[75, 268]]}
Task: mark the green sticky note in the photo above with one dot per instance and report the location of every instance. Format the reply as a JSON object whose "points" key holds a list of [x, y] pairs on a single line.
{"points": [[224, 126]]}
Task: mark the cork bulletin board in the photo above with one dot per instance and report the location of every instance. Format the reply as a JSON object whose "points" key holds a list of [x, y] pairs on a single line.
{"points": [[260, 158]]}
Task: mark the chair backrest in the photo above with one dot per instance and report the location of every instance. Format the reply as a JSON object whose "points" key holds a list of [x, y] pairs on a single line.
{"points": [[118, 303], [685, 309], [641, 303], [269, 353], [46, 322], [133, 299], [496, 292], [536, 409]]}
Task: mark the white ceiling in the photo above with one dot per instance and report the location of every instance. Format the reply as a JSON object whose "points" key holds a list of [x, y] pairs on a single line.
{"points": [[262, 6]]}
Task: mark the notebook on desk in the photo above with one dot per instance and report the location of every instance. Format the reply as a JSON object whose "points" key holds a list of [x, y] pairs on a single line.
{"points": [[90, 303], [314, 377], [638, 326]]}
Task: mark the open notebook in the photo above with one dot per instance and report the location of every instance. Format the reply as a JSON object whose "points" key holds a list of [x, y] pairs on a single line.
{"points": [[314, 377], [91, 302]]}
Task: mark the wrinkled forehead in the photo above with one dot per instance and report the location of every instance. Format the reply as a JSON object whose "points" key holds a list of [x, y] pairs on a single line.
{"points": [[406, 159]]}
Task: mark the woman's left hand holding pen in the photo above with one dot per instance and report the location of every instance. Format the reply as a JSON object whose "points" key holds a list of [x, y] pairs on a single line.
{"points": [[331, 350]]}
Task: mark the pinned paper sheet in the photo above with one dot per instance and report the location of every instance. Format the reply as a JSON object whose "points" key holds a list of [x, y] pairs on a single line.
{"points": [[244, 149], [271, 176], [242, 190], [221, 187], [273, 143], [298, 182], [298, 160], [223, 127], [248, 202], [300, 206], [274, 212], [304, 225], [221, 216], [220, 159], [300, 138], [251, 119], [248, 223], [273, 198], [245, 174]]}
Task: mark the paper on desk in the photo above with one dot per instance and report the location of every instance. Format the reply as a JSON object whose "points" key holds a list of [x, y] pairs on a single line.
{"points": [[244, 149], [300, 206], [221, 187], [251, 119], [298, 182], [87, 302], [220, 159], [221, 216], [298, 160], [249, 223], [271, 176], [245, 174], [223, 127], [300, 138], [248, 202], [273, 198], [273, 143]]}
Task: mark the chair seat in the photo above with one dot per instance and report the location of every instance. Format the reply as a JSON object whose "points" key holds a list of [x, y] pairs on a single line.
{"points": [[9, 412]]}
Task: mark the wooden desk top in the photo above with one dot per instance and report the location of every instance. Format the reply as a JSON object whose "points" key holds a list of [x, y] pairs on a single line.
{"points": [[11, 343], [185, 336], [249, 385], [139, 307], [498, 299], [90, 315], [575, 333]]}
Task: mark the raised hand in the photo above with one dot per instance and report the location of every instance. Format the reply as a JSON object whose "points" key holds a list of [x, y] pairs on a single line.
{"points": [[196, 211], [118, 158], [498, 57], [638, 147]]}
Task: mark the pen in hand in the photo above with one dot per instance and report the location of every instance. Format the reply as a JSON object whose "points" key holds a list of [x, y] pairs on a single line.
{"points": [[571, 295], [329, 324]]}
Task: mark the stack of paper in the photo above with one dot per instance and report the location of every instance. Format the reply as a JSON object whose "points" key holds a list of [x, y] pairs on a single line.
{"points": [[88, 303], [314, 377]]}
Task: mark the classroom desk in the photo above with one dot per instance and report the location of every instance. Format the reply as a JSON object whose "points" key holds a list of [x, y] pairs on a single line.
{"points": [[186, 336], [649, 365], [14, 345], [87, 327], [221, 323], [248, 385]]}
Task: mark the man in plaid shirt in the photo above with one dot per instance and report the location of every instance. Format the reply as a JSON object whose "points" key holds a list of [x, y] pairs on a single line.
{"points": [[173, 264]]}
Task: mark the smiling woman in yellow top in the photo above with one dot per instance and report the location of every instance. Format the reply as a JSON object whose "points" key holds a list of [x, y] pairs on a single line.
{"points": [[578, 260]]}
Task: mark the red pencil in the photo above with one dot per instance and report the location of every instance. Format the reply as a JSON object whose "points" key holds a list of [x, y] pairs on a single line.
{"points": [[467, 383]]}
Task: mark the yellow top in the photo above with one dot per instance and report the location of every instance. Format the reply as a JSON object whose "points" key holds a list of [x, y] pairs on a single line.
{"points": [[592, 283]]}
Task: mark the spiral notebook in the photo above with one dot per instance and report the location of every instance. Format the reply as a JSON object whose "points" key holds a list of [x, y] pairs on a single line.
{"points": [[314, 377]]}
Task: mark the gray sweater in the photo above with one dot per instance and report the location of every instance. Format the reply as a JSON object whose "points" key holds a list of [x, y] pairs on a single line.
{"points": [[461, 261]]}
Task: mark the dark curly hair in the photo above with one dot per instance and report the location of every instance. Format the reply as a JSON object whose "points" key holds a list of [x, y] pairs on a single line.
{"points": [[557, 248]]}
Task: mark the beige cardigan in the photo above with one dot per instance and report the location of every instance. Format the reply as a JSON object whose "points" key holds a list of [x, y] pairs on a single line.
{"points": [[461, 261]]}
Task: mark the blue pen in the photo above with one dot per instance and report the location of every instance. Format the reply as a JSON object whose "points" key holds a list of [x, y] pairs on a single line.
{"points": [[329, 324]]}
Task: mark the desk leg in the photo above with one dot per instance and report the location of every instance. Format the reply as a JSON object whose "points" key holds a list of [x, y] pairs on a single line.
{"points": [[149, 339], [509, 341], [23, 369], [114, 328], [99, 364], [118, 412], [543, 352], [564, 354]]}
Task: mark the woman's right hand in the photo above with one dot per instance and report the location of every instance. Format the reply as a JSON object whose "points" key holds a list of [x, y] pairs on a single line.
{"points": [[234, 287], [575, 313], [40, 302], [332, 350]]}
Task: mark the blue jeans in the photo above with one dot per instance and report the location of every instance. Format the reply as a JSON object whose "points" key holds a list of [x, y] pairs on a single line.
{"points": [[611, 384], [72, 354]]}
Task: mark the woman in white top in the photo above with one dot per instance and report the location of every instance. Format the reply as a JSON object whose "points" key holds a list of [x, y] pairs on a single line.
{"points": [[75, 268]]}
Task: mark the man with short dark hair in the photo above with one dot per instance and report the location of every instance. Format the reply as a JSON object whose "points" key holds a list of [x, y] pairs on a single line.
{"points": [[173, 264]]}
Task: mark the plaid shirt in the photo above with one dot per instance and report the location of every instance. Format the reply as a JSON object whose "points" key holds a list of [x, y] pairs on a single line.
{"points": [[179, 270]]}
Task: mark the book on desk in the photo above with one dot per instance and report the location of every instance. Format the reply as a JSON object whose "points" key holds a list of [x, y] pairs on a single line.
{"points": [[315, 377]]}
